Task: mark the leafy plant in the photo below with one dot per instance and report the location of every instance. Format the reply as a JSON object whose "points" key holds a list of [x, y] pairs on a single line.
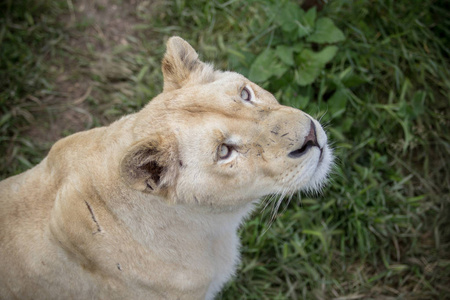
{"points": [[292, 52]]}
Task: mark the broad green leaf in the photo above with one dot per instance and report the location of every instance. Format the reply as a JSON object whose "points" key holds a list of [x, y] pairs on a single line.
{"points": [[305, 22], [310, 64], [337, 103], [265, 66], [307, 74], [310, 16], [324, 56], [298, 47], [298, 97], [326, 32], [293, 19], [289, 14], [304, 96], [288, 95], [285, 53]]}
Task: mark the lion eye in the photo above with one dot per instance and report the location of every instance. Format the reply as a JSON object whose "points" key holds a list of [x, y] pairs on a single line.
{"points": [[225, 151], [246, 95]]}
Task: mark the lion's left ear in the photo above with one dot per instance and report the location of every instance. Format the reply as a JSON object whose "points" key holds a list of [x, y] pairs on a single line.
{"points": [[179, 64], [151, 165]]}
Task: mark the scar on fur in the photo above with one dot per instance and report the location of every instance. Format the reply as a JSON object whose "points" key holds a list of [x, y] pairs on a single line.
{"points": [[93, 218]]}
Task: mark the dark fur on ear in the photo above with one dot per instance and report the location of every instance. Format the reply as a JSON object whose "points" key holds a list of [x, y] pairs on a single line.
{"points": [[179, 64], [151, 165]]}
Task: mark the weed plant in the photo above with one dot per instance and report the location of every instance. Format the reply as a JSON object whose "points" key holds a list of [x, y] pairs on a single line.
{"points": [[375, 72]]}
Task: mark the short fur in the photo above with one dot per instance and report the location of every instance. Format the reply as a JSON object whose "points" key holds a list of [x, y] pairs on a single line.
{"points": [[148, 207]]}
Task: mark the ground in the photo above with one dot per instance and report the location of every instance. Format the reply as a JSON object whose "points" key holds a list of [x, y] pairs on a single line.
{"points": [[106, 27]]}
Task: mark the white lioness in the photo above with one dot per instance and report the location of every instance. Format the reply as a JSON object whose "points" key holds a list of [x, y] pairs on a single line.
{"points": [[148, 207]]}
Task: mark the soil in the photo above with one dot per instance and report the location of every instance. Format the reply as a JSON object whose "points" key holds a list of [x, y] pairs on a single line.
{"points": [[93, 29]]}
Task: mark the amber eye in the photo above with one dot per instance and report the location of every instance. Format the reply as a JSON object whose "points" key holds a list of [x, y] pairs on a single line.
{"points": [[224, 151], [246, 95]]}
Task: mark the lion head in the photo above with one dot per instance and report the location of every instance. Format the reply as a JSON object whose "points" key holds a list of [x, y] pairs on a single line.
{"points": [[215, 138]]}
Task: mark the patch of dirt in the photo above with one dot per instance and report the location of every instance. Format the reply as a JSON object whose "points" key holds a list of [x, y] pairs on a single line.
{"points": [[108, 23], [94, 29]]}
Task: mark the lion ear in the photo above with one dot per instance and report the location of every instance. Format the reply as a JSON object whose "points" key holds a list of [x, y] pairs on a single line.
{"points": [[150, 166], [178, 63]]}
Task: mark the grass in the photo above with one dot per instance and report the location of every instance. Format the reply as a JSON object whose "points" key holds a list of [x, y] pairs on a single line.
{"points": [[380, 229], [26, 41]]}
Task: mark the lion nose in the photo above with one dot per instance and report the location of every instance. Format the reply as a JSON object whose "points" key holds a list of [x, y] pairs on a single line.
{"points": [[309, 142]]}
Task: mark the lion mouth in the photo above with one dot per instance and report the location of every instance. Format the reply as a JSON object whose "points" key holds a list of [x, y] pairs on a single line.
{"points": [[321, 156]]}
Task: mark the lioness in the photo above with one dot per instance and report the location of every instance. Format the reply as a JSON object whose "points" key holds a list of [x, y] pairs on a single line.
{"points": [[148, 207]]}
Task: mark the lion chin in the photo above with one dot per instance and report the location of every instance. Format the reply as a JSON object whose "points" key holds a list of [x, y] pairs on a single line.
{"points": [[149, 207]]}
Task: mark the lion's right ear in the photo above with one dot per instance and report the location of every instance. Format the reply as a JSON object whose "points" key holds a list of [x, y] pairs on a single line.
{"points": [[150, 165], [180, 63]]}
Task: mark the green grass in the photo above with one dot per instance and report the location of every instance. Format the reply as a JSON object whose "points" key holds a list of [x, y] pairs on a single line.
{"points": [[27, 39], [380, 230]]}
